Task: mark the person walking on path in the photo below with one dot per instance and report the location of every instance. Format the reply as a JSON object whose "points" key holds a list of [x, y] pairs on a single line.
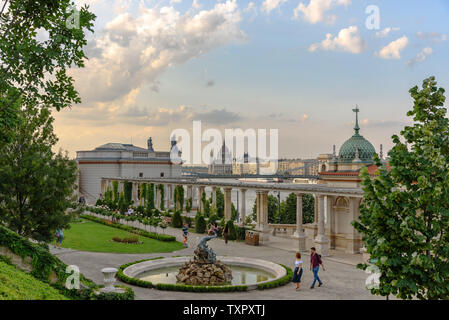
{"points": [[297, 274], [59, 237], [185, 232], [315, 262]]}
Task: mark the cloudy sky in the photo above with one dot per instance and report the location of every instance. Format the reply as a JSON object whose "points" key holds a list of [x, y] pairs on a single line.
{"points": [[299, 66]]}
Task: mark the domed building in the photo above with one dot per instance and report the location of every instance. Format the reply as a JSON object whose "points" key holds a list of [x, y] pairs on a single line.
{"points": [[355, 153]]}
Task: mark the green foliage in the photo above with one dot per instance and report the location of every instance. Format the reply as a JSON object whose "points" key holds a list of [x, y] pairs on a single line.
{"points": [[127, 192], [233, 212], [96, 237], [189, 205], [231, 230], [176, 220], [308, 208], [34, 71], [115, 193], [44, 264], [149, 199], [200, 223], [220, 203], [404, 217], [140, 232], [161, 189], [36, 184], [18, 285], [213, 218], [279, 282], [179, 198], [122, 205]]}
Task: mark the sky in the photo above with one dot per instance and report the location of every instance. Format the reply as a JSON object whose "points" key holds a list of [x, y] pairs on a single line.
{"points": [[299, 66]]}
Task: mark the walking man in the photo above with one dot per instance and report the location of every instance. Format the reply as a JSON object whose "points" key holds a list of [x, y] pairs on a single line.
{"points": [[315, 262]]}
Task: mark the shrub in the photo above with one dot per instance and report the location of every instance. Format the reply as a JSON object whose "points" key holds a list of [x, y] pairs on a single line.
{"points": [[176, 221], [126, 240], [232, 232], [240, 232], [279, 282], [200, 223], [188, 221], [212, 219]]}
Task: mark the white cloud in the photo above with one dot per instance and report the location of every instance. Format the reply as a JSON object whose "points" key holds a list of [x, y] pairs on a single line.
{"points": [[421, 56], [251, 7], [384, 33], [196, 4], [133, 51], [270, 5], [348, 39], [432, 36], [393, 49], [316, 10]]}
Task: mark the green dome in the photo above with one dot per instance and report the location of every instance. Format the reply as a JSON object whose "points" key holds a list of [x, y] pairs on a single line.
{"points": [[348, 149]]}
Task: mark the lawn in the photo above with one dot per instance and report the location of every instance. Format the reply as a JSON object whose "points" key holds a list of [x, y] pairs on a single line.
{"points": [[91, 236], [18, 285]]}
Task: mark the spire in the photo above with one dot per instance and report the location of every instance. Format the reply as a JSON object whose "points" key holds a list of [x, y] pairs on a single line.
{"points": [[356, 128]]}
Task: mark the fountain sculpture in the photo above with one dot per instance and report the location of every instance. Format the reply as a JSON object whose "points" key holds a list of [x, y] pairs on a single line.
{"points": [[205, 269]]}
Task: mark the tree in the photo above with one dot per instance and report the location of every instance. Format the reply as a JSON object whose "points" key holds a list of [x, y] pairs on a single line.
{"points": [[179, 198], [220, 202], [273, 210], [308, 208], [122, 205], [200, 223], [288, 209], [36, 185], [189, 205], [127, 191], [35, 71], [177, 219], [404, 217]]}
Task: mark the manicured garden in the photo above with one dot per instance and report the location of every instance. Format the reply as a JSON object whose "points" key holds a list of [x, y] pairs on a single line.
{"points": [[87, 235]]}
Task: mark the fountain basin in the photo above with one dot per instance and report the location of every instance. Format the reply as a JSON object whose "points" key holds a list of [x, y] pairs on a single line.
{"points": [[265, 271]]}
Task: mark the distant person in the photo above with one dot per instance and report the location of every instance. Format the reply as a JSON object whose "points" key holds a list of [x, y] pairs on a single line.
{"points": [[59, 237], [130, 211], [315, 262], [297, 274], [185, 233]]}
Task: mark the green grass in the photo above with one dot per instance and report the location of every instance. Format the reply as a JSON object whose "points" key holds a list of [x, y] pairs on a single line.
{"points": [[91, 236], [18, 285]]}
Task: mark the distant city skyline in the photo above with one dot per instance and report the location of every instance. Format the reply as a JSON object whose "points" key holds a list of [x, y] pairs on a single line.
{"points": [[297, 66]]}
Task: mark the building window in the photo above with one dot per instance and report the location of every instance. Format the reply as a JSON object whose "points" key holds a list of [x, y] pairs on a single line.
{"points": [[162, 174], [140, 174]]}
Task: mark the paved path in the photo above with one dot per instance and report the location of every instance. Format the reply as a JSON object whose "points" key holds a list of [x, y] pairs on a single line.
{"points": [[341, 279]]}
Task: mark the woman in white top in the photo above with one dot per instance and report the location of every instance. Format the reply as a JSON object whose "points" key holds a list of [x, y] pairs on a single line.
{"points": [[297, 274]]}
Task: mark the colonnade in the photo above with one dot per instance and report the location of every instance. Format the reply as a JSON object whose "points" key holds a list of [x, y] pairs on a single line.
{"points": [[324, 225]]}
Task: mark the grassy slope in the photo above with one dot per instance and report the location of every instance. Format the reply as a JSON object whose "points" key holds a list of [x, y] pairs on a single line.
{"points": [[91, 236], [18, 285]]}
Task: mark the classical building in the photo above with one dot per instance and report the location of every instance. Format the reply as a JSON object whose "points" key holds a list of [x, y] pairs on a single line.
{"points": [[121, 160], [343, 171], [221, 164], [308, 167]]}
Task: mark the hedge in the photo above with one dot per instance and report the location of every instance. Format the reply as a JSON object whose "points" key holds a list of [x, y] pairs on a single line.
{"points": [[279, 282], [44, 264], [143, 233], [191, 288]]}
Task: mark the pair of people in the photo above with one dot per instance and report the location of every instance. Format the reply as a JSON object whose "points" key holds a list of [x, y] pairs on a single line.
{"points": [[315, 262]]}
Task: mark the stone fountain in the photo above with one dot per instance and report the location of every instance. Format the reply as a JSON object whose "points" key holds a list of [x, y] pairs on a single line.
{"points": [[205, 269]]}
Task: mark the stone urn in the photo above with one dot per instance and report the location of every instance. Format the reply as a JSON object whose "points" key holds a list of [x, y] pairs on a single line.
{"points": [[109, 279]]}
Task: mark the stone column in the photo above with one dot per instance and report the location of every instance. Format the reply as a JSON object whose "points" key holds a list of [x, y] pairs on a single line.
{"points": [[158, 197], [169, 196], [214, 197], [321, 241], [134, 193], [262, 216], [243, 207], [299, 234], [353, 238], [227, 203], [166, 197], [200, 195]]}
